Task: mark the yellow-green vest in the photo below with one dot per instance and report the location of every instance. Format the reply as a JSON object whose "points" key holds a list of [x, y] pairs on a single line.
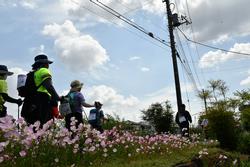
{"points": [[41, 75], [3, 89]]}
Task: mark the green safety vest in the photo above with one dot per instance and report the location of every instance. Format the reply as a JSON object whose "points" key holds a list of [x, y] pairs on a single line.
{"points": [[3, 89], [41, 75]]}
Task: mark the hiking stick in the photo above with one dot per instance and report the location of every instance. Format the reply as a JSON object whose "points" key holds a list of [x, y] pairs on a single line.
{"points": [[18, 111]]}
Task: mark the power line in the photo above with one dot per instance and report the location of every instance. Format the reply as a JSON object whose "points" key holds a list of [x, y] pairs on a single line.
{"points": [[212, 47], [196, 48], [186, 61], [128, 21], [95, 13]]}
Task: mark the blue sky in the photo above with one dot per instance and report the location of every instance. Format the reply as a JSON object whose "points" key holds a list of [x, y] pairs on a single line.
{"points": [[120, 66]]}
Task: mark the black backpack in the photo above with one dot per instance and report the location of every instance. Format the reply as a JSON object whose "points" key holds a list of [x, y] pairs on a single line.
{"points": [[30, 109], [30, 88]]}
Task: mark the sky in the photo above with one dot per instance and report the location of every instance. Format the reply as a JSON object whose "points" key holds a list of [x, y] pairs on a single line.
{"points": [[120, 66]]}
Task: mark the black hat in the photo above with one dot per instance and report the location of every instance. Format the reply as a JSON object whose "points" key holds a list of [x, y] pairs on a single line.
{"points": [[42, 59], [4, 70], [98, 104]]}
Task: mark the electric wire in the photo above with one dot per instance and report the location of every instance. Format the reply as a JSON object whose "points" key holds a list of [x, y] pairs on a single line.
{"points": [[196, 47], [212, 47], [189, 74], [95, 13], [128, 21], [187, 96], [160, 27], [186, 60]]}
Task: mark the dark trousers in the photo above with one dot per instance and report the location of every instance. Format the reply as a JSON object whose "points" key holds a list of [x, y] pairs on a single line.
{"points": [[78, 117], [184, 126], [37, 108], [3, 112]]}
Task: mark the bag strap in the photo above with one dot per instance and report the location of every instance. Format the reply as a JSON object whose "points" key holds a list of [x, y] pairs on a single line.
{"points": [[37, 87], [71, 100]]}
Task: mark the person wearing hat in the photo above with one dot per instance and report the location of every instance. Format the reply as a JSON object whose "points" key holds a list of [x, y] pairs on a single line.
{"points": [[96, 117], [76, 100], [3, 91], [47, 96]]}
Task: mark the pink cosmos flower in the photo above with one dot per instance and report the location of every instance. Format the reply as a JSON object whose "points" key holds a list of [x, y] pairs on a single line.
{"points": [[88, 140], [22, 153], [92, 148]]}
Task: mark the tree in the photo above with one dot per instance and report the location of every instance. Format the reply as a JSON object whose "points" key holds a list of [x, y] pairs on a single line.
{"points": [[214, 84], [223, 88], [243, 95], [159, 116], [204, 95]]}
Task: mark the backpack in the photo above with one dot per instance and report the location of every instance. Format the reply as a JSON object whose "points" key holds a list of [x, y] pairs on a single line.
{"points": [[30, 108], [66, 106], [30, 87], [94, 117]]}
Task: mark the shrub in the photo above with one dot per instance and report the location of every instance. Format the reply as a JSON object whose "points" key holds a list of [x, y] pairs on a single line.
{"points": [[244, 143], [223, 124], [245, 118]]}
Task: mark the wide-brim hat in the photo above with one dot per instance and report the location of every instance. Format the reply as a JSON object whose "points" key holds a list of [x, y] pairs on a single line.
{"points": [[42, 59], [76, 84], [98, 104], [4, 70]]}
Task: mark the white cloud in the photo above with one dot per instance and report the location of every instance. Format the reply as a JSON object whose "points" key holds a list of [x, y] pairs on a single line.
{"points": [[213, 58], [85, 10], [37, 50], [77, 51], [113, 102], [134, 58], [245, 81], [156, 7], [212, 19], [145, 69], [29, 4]]}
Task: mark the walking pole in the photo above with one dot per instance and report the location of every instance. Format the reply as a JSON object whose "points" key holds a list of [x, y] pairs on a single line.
{"points": [[18, 111]]}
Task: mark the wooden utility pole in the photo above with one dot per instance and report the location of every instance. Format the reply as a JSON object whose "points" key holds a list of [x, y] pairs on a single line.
{"points": [[205, 100], [174, 55]]}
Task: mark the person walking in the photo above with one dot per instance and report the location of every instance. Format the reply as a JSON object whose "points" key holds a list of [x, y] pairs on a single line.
{"points": [[4, 73], [96, 117], [76, 100], [183, 118], [46, 95]]}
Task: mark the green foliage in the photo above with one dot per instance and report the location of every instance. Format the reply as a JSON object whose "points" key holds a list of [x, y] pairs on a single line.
{"points": [[223, 124], [115, 121], [245, 118], [244, 143], [243, 95], [159, 116]]}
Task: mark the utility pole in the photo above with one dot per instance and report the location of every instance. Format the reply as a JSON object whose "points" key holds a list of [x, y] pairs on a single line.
{"points": [[174, 55], [205, 100]]}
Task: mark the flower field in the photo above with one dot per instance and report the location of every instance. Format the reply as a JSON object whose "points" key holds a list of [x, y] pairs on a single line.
{"points": [[56, 146]]}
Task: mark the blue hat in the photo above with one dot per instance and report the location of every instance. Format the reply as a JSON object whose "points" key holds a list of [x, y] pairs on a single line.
{"points": [[4, 70]]}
